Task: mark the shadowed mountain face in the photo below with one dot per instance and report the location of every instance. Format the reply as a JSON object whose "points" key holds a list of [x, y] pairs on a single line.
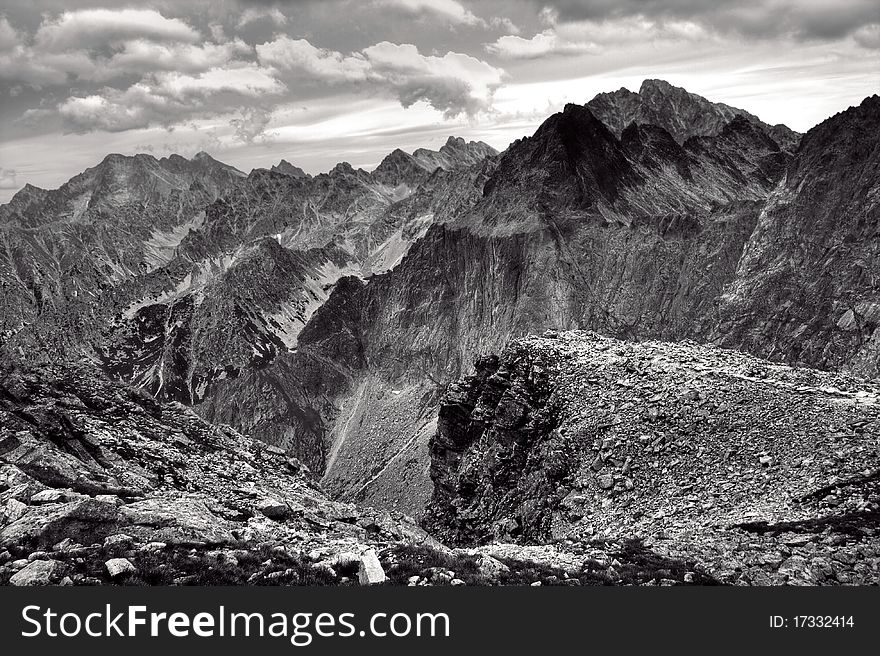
{"points": [[679, 112], [328, 314]]}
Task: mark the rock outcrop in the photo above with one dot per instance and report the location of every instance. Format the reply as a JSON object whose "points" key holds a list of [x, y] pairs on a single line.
{"points": [[761, 473]]}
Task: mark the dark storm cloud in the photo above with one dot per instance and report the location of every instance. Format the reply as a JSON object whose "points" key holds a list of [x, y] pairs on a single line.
{"points": [[801, 19]]}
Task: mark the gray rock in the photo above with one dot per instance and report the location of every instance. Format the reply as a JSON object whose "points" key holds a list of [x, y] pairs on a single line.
{"points": [[83, 520], [273, 509], [118, 538], [65, 545], [183, 520], [492, 568], [38, 572]]}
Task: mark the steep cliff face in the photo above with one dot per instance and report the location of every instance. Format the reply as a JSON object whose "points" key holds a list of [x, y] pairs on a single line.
{"points": [[575, 436], [806, 288]]}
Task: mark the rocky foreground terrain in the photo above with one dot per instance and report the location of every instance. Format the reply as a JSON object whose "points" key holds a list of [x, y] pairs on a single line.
{"points": [[100, 484], [761, 473]]}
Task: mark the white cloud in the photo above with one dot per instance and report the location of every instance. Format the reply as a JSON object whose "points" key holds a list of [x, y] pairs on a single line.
{"points": [[868, 36], [589, 37], [454, 83], [100, 45], [168, 98], [450, 10], [143, 56], [252, 124], [92, 28], [137, 57], [247, 80], [299, 55], [8, 179], [253, 14], [505, 24], [9, 37], [542, 44]]}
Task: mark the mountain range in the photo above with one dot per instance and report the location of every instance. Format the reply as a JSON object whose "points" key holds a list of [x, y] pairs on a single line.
{"points": [[332, 315]]}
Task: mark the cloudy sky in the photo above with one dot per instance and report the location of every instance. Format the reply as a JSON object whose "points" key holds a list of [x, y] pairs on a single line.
{"points": [[317, 82]]}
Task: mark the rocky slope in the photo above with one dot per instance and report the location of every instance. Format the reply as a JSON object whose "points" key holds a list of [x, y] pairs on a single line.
{"points": [[90, 468], [806, 288], [761, 473], [102, 484]]}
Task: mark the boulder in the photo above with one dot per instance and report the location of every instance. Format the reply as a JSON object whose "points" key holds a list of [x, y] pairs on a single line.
{"points": [[370, 570], [182, 520], [491, 568], [273, 509], [54, 496], [119, 567], [118, 538], [84, 520], [15, 509], [38, 572]]}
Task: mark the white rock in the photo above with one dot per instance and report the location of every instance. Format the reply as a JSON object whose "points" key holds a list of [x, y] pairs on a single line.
{"points": [[118, 538], [154, 546], [49, 496], [491, 567], [370, 571], [119, 567], [15, 509]]}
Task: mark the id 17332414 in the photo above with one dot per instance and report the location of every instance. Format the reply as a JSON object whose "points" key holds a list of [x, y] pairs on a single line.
{"points": [[812, 622]]}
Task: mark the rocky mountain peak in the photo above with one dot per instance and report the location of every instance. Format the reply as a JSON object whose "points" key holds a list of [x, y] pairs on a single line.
{"points": [[682, 113], [456, 153], [398, 168], [571, 161], [286, 168]]}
